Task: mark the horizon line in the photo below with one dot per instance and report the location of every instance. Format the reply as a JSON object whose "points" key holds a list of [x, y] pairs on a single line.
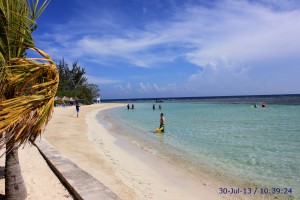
{"points": [[198, 97]]}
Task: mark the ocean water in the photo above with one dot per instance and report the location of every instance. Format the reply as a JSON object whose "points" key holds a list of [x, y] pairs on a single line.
{"points": [[250, 147]]}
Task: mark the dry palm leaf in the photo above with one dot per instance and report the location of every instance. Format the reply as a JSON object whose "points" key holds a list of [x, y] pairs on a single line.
{"points": [[34, 83], [27, 85]]}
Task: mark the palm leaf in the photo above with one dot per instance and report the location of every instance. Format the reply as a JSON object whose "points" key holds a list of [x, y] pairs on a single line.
{"points": [[27, 85], [35, 84]]}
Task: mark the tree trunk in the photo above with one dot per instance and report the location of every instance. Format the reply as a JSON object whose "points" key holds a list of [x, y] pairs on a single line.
{"points": [[15, 188]]}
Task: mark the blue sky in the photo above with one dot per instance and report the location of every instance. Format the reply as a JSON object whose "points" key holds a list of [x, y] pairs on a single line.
{"points": [[177, 48]]}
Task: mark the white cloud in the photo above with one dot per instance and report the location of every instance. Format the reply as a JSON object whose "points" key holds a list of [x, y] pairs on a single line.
{"points": [[224, 81], [157, 88], [238, 31], [146, 88], [101, 80], [258, 34], [124, 88], [230, 41]]}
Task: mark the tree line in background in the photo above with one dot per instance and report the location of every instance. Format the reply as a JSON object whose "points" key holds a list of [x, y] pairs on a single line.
{"points": [[73, 83]]}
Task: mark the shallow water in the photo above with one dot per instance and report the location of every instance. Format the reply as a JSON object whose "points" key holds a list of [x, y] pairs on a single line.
{"points": [[253, 146]]}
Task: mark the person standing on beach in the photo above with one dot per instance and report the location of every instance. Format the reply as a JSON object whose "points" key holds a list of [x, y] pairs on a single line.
{"points": [[128, 106], [132, 106], [77, 107], [153, 107]]}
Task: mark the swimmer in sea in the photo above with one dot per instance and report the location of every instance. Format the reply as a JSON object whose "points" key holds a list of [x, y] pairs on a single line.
{"points": [[162, 123]]}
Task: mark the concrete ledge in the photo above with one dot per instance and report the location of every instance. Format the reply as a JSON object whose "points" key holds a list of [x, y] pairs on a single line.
{"points": [[81, 184]]}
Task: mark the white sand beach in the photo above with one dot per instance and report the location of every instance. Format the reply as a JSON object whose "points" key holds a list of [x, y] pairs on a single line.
{"points": [[128, 171], [40, 181]]}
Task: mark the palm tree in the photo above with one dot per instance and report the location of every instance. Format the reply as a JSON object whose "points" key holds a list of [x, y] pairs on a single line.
{"points": [[27, 86]]}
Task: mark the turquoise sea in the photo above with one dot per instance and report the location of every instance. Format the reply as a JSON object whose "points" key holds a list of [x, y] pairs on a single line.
{"points": [[233, 143]]}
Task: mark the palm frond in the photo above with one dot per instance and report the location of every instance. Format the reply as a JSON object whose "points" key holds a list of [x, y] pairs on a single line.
{"points": [[34, 84], [36, 10], [15, 29], [27, 85]]}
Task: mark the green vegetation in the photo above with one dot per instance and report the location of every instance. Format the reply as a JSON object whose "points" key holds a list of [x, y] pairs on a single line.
{"points": [[73, 83]]}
